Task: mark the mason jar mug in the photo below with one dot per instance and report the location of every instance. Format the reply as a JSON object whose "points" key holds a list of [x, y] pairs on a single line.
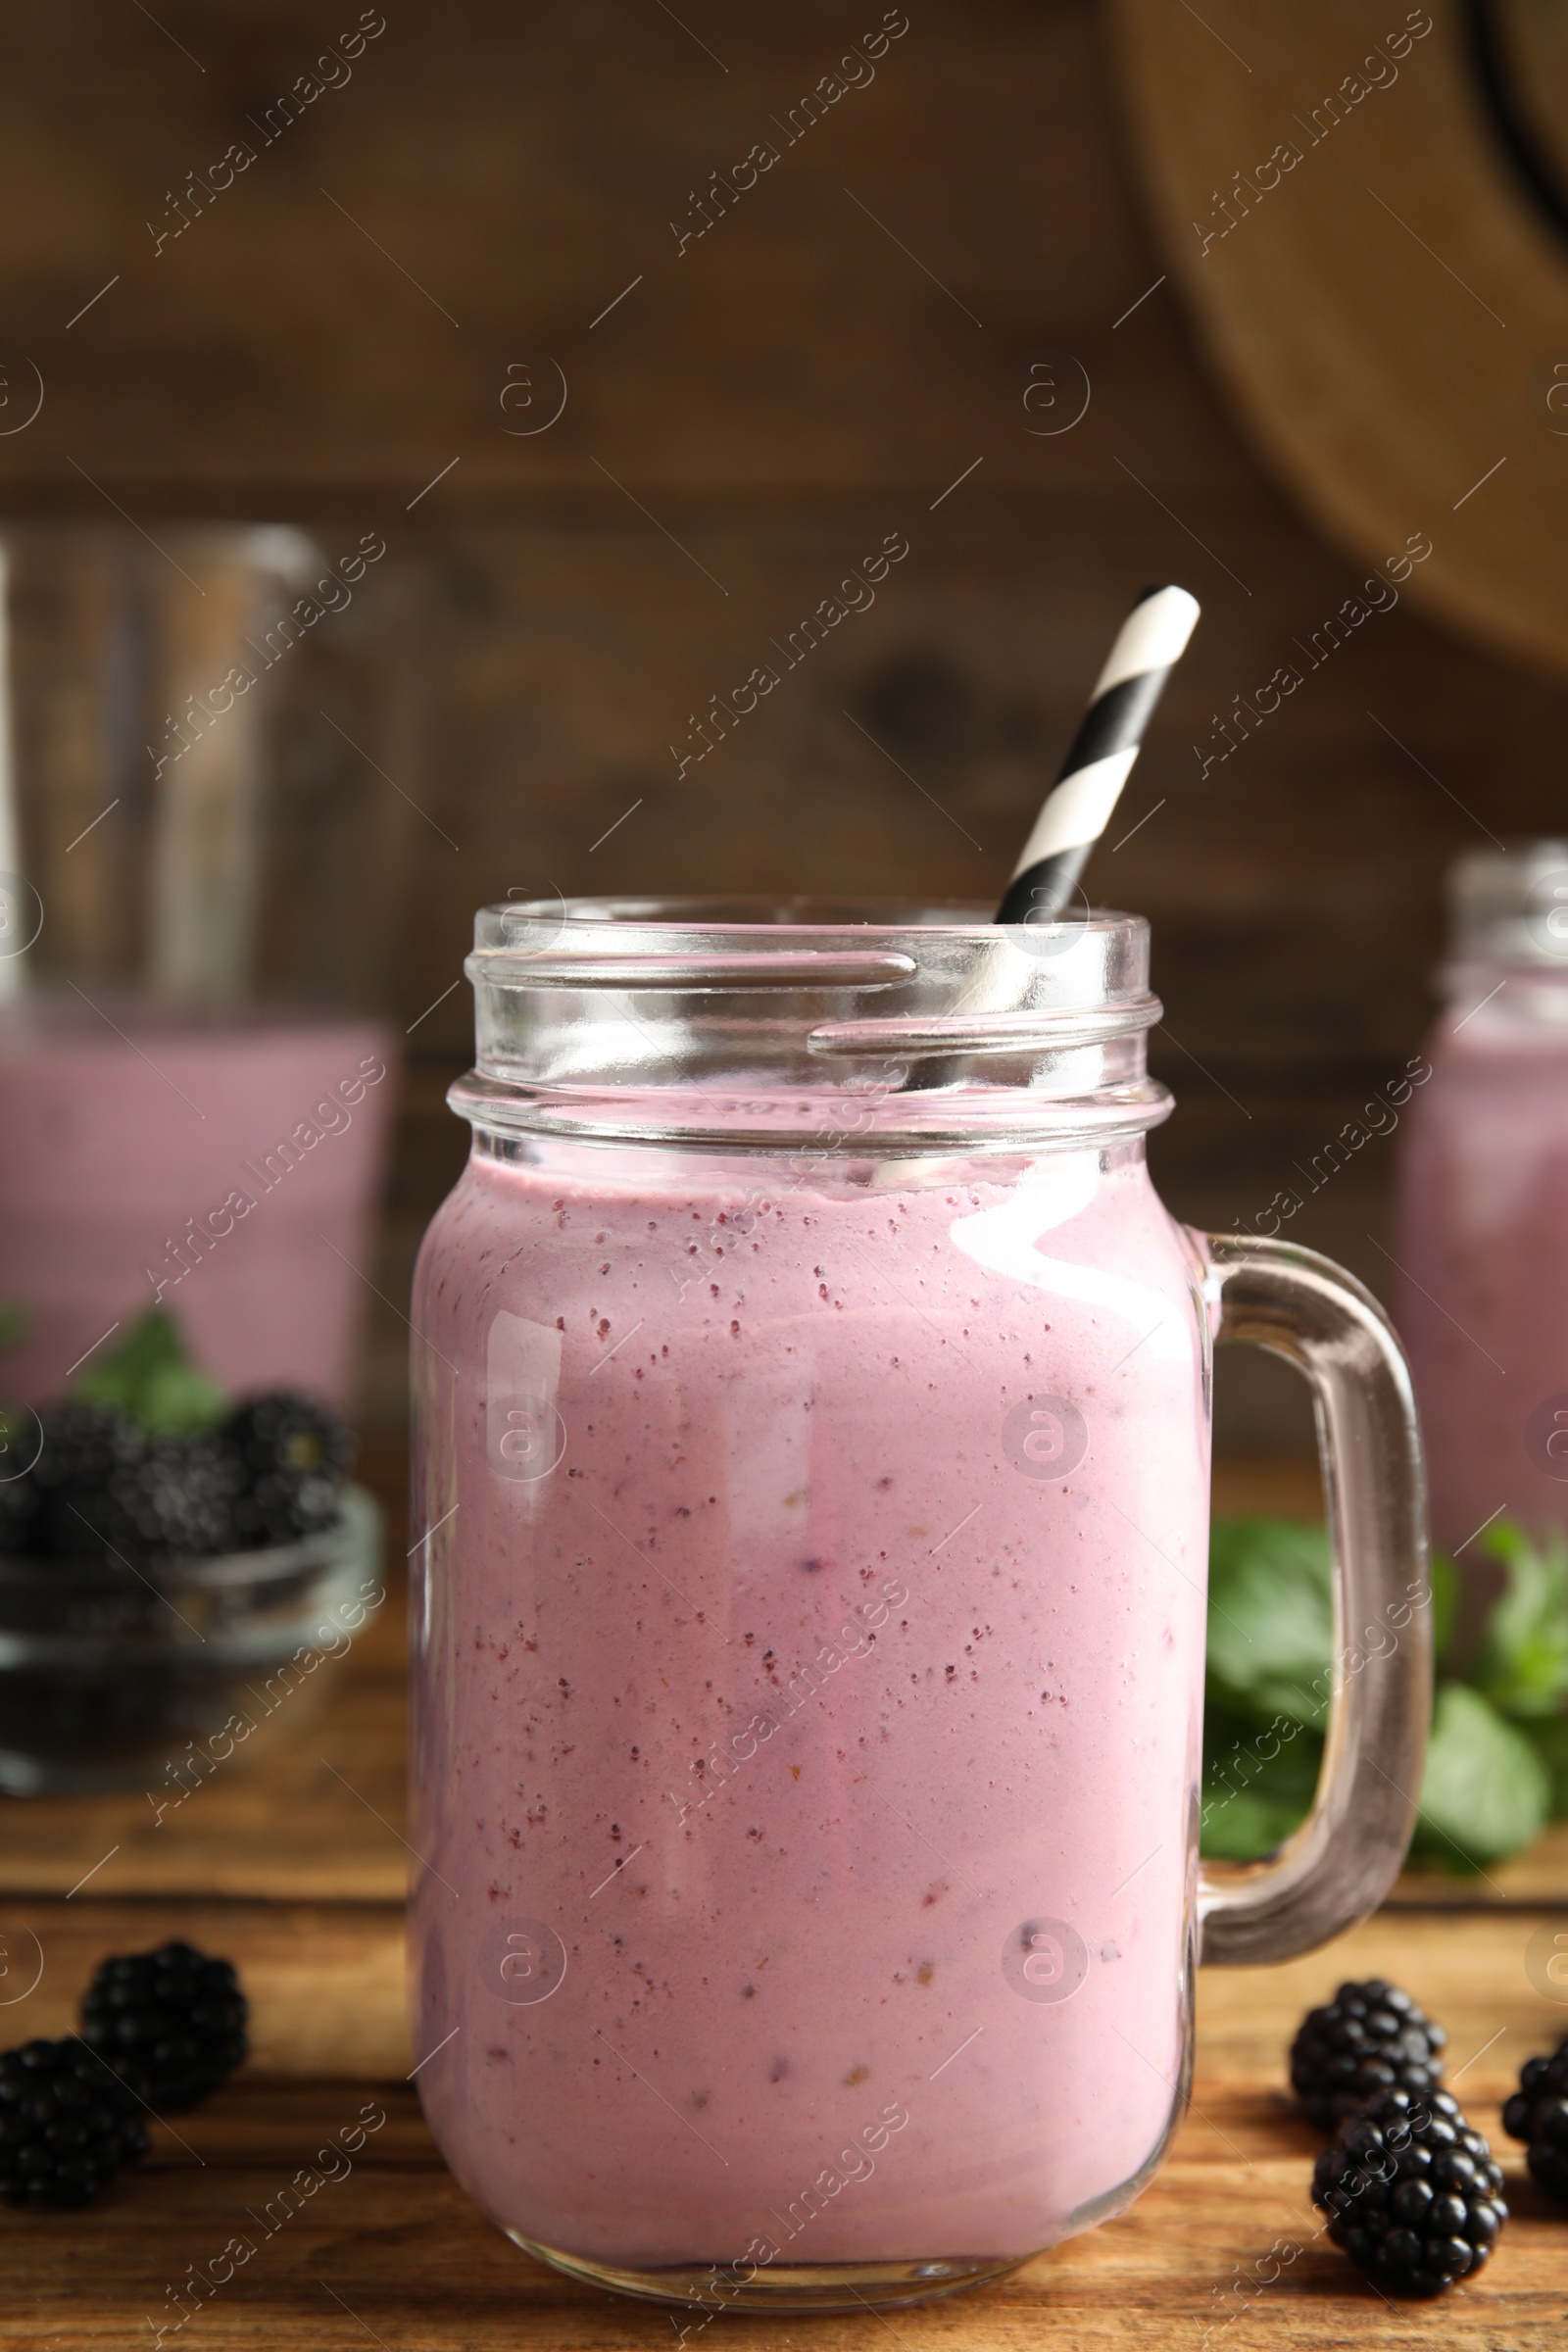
{"points": [[812, 1485]]}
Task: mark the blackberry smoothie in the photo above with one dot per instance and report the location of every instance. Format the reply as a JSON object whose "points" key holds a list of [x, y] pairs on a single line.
{"points": [[225, 1169], [811, 1403], [828, 1713], [1482, 1240], [1484, 1304]]}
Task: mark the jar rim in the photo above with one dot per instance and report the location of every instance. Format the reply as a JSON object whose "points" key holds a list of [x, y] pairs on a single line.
{"points": [[774, 911], [750, 919], [687, 1017]]}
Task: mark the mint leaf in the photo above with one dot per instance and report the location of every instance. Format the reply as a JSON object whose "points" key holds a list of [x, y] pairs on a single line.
{"points": [[1486, 1791], [1271, 1617], [1489, 1783], [1522, 1664], [151, 1377]]}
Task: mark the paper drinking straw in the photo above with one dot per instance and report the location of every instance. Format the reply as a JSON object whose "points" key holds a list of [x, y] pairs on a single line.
{"points": [[1149, 644]]}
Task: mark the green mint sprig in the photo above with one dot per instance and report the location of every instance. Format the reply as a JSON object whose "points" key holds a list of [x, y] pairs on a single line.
{"points": [[1498, 1761]]}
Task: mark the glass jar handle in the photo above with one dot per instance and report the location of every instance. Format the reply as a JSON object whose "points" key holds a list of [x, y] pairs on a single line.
{"points": [[1343, 1859]]}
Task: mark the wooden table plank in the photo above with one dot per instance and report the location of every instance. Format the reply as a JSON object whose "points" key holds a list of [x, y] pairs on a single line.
{"points": [[316, 1813], [326, 1987]]}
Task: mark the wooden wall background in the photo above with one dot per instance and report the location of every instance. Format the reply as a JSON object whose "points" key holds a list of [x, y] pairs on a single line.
{"points": [[334, 329]]}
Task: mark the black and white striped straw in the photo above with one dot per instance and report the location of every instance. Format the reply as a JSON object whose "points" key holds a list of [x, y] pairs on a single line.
{"points": [[1149, 644]]}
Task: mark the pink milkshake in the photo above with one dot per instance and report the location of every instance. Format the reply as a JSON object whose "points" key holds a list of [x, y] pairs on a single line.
{"points": [[808, 1624], [223, 1166], [1482, 1243], [798, 1696]]}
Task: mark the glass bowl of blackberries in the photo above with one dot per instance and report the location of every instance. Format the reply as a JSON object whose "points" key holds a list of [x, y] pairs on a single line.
{"points": [[177, 1570]]}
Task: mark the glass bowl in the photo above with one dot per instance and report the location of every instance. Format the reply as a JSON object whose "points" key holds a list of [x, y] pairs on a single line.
{"points": [[109, 1673]]}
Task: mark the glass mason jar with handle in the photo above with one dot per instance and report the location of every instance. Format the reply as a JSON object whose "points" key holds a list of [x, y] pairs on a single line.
{"points": [[812, 1489]]}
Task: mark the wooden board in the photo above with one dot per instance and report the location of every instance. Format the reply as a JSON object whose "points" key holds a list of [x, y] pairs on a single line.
{"points": [[301, 1884]]}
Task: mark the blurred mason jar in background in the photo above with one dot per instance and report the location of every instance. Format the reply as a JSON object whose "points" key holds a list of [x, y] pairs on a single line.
{"points": [[201, 868], [1483, 1209]]}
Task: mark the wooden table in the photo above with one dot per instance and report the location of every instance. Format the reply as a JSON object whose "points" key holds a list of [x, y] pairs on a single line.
{"points": [[296, 1870]]}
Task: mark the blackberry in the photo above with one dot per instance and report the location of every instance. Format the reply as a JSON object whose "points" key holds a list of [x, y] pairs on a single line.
{"points": [[86, 1447], [291, 1435], [1411, 2192], [176, 1497], [181, 1495], [18, 1496], [1370, 2038], [295, 1454], [103, 1489], [83, 1446], [1538, 2114], [171, 2022], [280, 1510], [67, 2123]]}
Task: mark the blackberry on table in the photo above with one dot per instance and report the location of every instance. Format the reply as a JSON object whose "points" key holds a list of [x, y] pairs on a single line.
{"points": [[1538, 2114], [172, 2022], [1411, 2192], [67, 2123], [1370, 2038]]}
